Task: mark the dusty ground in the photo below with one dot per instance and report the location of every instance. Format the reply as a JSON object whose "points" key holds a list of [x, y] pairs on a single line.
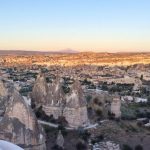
{"points": [[121, 132], [71, 138], [124, 132]]}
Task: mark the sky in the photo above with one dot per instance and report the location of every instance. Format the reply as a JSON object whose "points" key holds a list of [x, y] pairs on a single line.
{"points": [[83, 25]]}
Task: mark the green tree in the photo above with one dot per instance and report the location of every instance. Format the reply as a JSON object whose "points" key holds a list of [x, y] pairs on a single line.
{"points": [[141, 78]]}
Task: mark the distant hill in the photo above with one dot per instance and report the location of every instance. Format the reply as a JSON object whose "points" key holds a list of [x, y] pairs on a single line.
{"points": [[24, 52], [20, 52], [66, 51], [72, 58], [71, 51]]}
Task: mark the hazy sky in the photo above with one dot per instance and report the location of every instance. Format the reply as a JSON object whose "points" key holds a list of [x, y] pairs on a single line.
{"points": [[86, 25]]}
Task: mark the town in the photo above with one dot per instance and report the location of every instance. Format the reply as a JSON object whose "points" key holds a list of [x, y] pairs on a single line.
{"points": [[81, 101]]}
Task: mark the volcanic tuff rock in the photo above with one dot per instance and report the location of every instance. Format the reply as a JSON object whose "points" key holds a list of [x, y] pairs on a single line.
{"points": [[115, 106], [72, 105], [40, 90], [75, 97], [75, 111], [3, 90], [19, 125], [51, 97], [55, 95], [60, 140]]}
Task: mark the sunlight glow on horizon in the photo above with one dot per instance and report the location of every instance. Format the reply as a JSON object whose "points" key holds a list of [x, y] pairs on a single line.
{"points": [[88, 25]]}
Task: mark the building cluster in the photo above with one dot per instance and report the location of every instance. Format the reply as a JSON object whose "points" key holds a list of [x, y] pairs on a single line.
{"points": [[82, 95]]}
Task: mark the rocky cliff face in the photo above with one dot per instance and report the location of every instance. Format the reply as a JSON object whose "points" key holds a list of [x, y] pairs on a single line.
{"points": [[40, 90], [19, 125], [60, 140], [75, 110], [3, 90], [115, 107], [3, 98], [75, 98], [54, 99], [55, 94], [72, 105]]}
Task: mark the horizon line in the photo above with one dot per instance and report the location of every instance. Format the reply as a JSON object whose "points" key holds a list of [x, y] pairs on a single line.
{"points": [[72, 51]]}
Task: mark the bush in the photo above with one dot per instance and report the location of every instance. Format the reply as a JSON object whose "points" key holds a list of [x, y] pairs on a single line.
{"points": [[99, 112], [139, 124], [111, 116], [66, 89], [43, 116], [96, 100], [84, 134], [138, 147], [63, 130], [88, 98], [62, 121], [81, 146], [48, 129], [126, 147], [48, 80], [56, 147], [100, 137]]}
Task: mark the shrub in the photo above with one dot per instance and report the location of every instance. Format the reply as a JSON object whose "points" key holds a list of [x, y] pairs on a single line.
{"points": [[98, 112], [111, 116], [84, 134], [56, 147], [138, 147], [100, 137], [62, 121], [48, 129], [126, 147], [88, 98], [66, 89], [139, 124], [81, 146], [43, 116], [63, 130]]}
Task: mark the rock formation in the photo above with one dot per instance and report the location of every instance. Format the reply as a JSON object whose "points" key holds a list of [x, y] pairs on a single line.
{"points": [[19, 125], [3, 90], [71, 105], [40, 90], [54, 99], [60, 140], [115, 107], [75, 110]]}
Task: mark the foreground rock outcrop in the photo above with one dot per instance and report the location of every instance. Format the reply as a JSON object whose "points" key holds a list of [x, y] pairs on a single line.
{"points": [[18, 123]]}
